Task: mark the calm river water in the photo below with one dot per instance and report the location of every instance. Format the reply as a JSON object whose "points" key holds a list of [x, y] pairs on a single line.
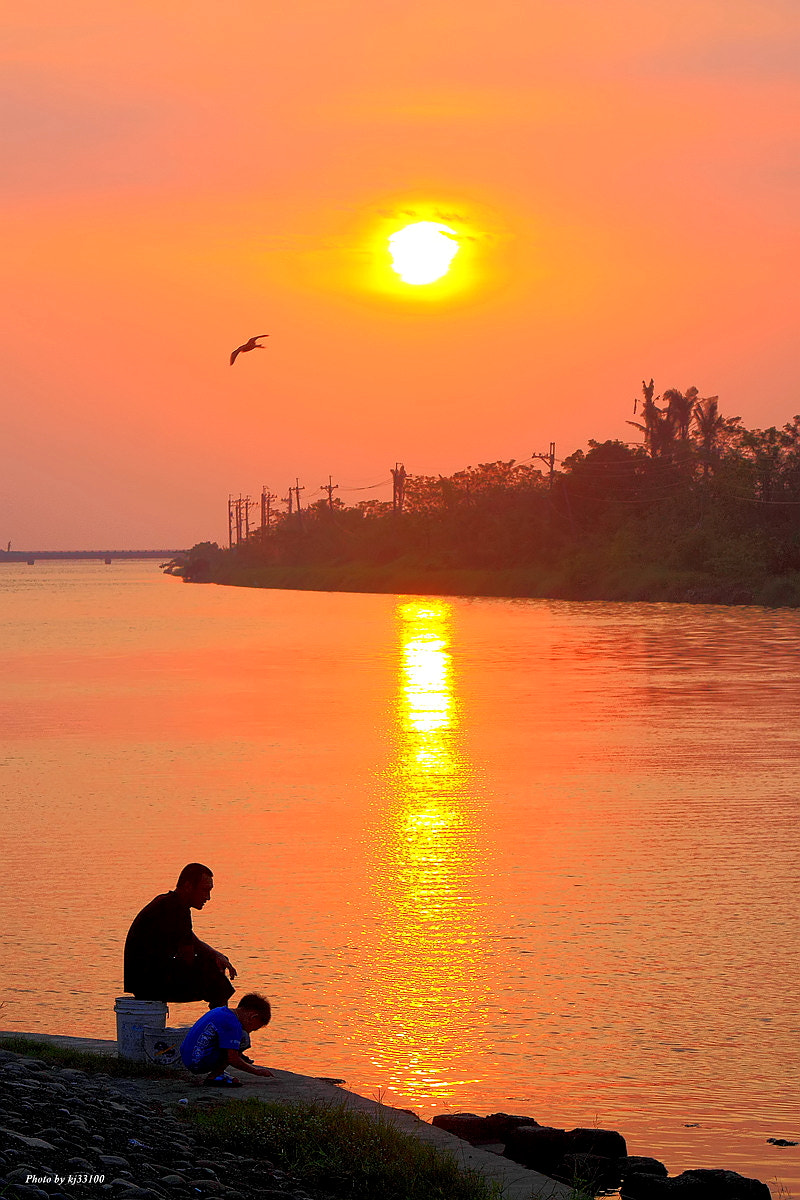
{"points": [[531, 856]]}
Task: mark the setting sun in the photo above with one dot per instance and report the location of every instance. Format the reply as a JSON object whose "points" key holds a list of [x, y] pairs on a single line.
{"points": [[422, 252]]}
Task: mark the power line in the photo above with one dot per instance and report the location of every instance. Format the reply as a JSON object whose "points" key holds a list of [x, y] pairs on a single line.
{"points": [[366, 487]]}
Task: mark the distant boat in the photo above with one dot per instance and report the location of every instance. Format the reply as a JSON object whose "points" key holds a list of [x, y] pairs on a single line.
{"points": [[31, 561], [107, 561]]}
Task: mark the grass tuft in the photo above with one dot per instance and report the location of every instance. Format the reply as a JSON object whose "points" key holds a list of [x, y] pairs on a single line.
{"points": [[341, 1151]]}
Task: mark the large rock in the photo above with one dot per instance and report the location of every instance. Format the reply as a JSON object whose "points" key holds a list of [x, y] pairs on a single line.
{"points": [[500, 1125], [543, 1147], [468, 1126], [540, 1147], [605, 1142], [480, 1131], [694, 1185], [639, 1164], [727, 1185]]}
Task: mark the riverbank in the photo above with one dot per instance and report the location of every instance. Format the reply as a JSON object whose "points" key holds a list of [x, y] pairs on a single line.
{"points": [[136, 1133], [73, 1114], [576, 581]]}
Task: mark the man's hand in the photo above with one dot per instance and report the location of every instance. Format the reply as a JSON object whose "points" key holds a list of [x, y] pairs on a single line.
{"points": [[260, 1071], [225, 964]]}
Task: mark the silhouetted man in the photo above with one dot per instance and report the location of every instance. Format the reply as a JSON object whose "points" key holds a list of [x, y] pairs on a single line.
{"points": [[164, 960]]}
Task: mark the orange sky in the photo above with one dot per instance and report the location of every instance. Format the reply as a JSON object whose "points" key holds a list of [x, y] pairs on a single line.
{"points": [[180, 176]]}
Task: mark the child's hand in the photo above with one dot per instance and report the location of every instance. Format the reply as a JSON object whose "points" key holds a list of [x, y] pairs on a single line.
{"points": [[261, 1071]]}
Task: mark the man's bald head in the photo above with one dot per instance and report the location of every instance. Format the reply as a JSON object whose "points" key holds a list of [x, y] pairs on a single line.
{"points": [[195, 883]]}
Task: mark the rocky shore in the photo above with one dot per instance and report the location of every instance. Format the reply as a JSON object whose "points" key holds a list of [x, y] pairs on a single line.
{"points": [[595, 1161], [65, 1133]]}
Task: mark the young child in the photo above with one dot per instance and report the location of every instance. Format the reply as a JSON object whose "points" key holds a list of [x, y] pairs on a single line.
{"points": [[217, 1039]]}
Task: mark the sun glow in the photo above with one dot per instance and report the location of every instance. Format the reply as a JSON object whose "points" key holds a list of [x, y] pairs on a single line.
{"points": [[423, 251]]}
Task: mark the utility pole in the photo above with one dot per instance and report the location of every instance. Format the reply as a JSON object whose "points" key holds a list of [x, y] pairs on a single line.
{"points": [[238, 508], [550, 459], [288, 500], [247, 502], [230, 522], [297, 490], [329, 487], [266, 498], [398, 487]]}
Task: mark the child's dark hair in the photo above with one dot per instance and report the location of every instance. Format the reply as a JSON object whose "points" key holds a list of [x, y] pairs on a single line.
{"points": [[257, 1004]]}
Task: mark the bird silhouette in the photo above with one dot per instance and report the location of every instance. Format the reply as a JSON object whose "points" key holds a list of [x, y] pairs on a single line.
{"points": [[252, 344]]}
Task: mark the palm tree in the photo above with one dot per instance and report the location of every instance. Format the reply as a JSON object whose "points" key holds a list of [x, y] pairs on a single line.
{"points": [[709, 424], [654, 427], [680, 408]]}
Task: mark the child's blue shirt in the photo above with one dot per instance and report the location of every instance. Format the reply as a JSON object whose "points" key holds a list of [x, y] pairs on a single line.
{"points": [[219, 1029]]}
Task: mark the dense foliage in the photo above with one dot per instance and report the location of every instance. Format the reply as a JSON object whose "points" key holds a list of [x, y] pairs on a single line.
{"points": [[702, 509]]}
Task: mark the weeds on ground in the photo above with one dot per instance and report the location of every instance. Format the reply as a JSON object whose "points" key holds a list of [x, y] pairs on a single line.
{"points": [[340, 1151], [91, 1061], [779, 1190]]}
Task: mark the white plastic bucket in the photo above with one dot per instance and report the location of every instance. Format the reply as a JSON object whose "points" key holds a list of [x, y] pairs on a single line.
{"points": [[133, 1017], [163, 1046]]}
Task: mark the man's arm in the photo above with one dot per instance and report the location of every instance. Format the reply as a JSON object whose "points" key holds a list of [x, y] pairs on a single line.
{"points": [[235, 1060], [222, 960]]}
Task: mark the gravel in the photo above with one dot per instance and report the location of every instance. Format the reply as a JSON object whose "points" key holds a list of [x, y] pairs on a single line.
{"points": [[66, 1133]]}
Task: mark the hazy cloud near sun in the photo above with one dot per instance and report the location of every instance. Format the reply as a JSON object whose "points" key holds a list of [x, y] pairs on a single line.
{"points": [[746, 59], [58, 138], [140, 100]]}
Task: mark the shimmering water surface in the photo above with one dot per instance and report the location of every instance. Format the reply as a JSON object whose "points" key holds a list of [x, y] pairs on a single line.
{"points": [[529, 856]]}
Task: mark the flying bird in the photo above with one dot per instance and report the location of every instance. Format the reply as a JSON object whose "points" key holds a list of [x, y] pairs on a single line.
{"points": [[252, 344]]}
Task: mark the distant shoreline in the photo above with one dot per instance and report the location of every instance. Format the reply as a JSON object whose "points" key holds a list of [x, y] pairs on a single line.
{"points": [[25, 556], [649, 585]]}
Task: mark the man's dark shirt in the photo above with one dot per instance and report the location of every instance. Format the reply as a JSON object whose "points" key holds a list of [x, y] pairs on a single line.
{"points": [[161, 929]]}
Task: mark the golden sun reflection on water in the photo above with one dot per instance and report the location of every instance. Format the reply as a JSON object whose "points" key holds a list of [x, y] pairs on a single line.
{"points": [[427, 990]]}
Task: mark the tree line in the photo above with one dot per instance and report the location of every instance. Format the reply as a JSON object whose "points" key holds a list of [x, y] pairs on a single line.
{"points": [[700, 507]]}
